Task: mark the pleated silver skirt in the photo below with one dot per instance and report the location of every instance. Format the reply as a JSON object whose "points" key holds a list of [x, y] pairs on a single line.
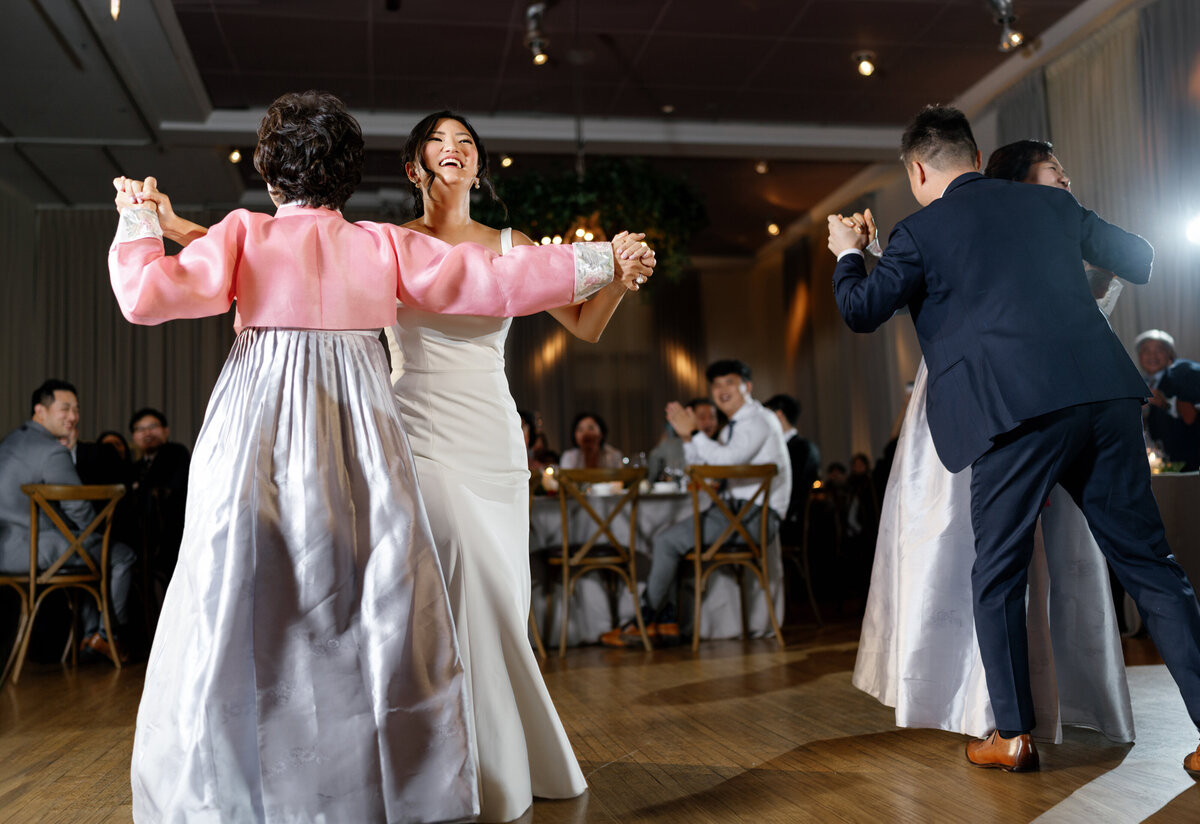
{"points": [[305, 666]]}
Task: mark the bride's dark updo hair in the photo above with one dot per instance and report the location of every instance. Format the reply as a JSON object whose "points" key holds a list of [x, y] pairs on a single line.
{"points": [[310, 150], [1013, 162], [412, 154]]}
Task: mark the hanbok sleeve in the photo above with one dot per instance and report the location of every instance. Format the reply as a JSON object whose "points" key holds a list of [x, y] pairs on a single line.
{"points": [[152, 287], [469, 279]]}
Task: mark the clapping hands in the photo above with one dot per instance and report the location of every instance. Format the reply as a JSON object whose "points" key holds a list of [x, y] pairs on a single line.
{"points": [[682, 420]]}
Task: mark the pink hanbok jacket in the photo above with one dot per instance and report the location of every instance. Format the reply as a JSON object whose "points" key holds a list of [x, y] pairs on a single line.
{"points": [[309, 268]]}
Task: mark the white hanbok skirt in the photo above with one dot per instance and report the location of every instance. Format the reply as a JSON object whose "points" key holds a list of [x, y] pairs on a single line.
{"points": [[305, 667], [918, 651]]}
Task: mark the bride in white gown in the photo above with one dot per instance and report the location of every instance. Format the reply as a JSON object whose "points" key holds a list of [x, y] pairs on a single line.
{"points": [[918, 651], [448, 374]]}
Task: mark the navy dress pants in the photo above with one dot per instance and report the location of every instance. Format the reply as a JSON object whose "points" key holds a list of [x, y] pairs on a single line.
{"points": [[1097, 453]]}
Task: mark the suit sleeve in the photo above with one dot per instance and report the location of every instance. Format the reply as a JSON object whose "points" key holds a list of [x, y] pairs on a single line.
{"points": [[866, 301], [469, 279], [1182, 381], [1111, 247], [59, 469], [152, 287]]}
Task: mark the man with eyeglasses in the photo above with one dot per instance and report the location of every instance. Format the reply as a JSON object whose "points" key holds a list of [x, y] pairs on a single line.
{"points": [[160, 487]]}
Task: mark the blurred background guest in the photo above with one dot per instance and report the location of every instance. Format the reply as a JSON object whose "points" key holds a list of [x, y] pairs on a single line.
{"points": [[1170, 414], [666, 461], [591, 450], [806, 466], [160, 477]]}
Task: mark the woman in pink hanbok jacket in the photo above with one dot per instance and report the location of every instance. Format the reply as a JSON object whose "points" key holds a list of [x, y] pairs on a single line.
{"points": [[305, 666]]}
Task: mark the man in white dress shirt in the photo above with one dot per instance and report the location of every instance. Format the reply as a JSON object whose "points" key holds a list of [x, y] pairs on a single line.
{"points": [[752, 436]]}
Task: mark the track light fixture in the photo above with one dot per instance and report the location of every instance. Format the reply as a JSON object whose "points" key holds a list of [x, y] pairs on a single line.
{"points": [[534, 39], [1010, 38]]}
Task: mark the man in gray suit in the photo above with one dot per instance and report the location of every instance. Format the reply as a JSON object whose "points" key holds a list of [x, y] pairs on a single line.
{"points": [[33, 454]]}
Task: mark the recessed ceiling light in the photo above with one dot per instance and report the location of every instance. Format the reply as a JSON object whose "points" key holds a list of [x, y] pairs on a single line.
{"points": [[668, 109], [235, 156], [506, 161], [761, 167], [865, 61], [773, 229]]}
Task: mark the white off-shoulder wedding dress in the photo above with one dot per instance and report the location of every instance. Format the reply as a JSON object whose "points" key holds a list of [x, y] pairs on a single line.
{"points": [[448, 375]]}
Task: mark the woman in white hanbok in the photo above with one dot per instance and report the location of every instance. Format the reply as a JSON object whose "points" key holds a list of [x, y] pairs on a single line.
{"points": [[471, 462], [918, 651]]}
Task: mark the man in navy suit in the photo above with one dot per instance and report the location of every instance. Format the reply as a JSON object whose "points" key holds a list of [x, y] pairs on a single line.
{"points": [[1029, 387]]}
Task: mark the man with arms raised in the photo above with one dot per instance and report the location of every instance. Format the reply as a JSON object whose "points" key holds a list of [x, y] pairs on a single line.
{"points": [[991, 273]]}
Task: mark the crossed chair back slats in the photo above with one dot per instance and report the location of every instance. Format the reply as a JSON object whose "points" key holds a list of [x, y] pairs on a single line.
{"points": [[580, 558], [64, 571], [735, 546]]}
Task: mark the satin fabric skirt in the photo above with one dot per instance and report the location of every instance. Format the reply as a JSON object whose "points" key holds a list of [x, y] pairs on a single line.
{"points": [[918, 651], [305, 667], [472, 467]]}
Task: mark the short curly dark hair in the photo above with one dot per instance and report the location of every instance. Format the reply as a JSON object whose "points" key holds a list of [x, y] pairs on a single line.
{"points": [[1013, 162], [310, 150]]}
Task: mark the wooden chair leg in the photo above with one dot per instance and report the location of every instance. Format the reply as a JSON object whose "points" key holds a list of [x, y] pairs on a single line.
{"points": [[740, 574], [637, 613], [72, 632], [566, 601], [102, 602], [812, 599], [537, 636], [16, 673], [766, 588], [697, 597], [22, 626]]}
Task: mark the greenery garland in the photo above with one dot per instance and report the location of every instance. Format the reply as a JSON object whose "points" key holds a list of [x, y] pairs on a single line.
{"points": [[615, 193]]}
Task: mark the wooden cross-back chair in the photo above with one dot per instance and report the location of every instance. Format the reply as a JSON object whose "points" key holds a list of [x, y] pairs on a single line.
{"points": [[534, 481], [798, 555], [74, 569], [602, 550], [735, 546]]}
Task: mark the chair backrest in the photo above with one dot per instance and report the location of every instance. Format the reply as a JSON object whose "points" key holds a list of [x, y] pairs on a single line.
{"points": [[702, 488], [42, 497], [570, 483]]}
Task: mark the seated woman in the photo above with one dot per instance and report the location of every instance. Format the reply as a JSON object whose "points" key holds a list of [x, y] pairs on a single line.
{"points": [[918, 651], [591, 451]]}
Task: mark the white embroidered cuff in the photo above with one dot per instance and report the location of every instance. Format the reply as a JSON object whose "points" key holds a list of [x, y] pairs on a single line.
{"points": [[593, 268], [136, 224]]}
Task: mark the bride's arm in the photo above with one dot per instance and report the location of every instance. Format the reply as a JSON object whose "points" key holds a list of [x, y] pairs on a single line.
{"points": [[587, 320]]}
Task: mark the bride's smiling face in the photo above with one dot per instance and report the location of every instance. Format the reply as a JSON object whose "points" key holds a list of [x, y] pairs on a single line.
{"points": [[450, 152]]}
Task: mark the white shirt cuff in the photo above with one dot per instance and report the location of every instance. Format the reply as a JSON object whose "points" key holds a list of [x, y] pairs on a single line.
{"points": [[845, 252]]}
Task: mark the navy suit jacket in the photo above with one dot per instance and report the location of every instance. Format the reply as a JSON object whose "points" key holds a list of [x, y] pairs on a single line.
{"points": [[992, 274]]}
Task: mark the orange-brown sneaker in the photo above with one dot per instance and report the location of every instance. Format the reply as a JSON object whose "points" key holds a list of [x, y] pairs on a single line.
{"points": [[1191, 763], [1016, 754], [628, 635]]}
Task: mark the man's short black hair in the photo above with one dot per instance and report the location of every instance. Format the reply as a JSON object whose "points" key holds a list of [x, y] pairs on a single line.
{"points": [[941, 137], [143, 412], [44, 394], [786, 405], [694, 402], [718, 369]]}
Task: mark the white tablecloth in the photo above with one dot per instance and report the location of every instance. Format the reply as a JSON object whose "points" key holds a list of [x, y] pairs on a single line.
{"points": [[720, 613]]}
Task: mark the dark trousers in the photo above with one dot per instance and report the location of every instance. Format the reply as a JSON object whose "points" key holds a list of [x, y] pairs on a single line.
{"points": [[1096, 452]]}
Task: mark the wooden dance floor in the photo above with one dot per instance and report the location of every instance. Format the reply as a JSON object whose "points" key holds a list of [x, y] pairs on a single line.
{"points": [[739, 733]]}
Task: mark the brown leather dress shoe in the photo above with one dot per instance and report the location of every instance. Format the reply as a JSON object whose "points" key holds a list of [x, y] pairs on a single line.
{"points": [[1191, 763], [1009, 754], [98, 644]]}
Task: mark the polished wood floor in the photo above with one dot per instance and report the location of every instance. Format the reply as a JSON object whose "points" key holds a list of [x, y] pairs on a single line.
{"points": [[738, 733]]}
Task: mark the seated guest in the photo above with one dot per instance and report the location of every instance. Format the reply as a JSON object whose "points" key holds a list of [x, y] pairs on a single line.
{"points": [[117, 441], [1175, 384], [668, 454], [591, 451], [160, 477], [806, 467], [753, 436], [35, 454]]}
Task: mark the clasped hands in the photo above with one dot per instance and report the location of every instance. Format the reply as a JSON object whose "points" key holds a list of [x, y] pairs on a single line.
{"points": [[633, 260], [853, 232]]}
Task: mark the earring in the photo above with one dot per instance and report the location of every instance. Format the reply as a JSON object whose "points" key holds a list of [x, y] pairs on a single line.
{"points": [[476, 183]]}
